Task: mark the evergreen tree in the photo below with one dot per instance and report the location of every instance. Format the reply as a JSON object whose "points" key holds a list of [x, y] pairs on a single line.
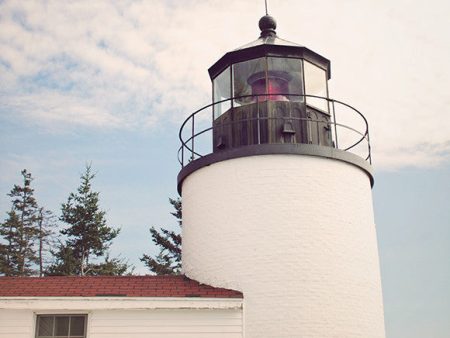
{"points": [[46, 223], [111, 267], [88, 235], [65, 263], [168, 261], [10, 250], [19, 231], [4, 267]]}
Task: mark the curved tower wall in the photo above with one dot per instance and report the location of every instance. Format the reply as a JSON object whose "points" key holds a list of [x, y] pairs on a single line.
{"points": [[296, 235]]}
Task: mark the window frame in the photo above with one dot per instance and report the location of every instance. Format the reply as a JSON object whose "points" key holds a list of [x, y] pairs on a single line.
{"points": [[64, 314], [303, 96]]}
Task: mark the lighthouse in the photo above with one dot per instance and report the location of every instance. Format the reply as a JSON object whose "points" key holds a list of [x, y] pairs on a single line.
{"points": [[276, 185]]}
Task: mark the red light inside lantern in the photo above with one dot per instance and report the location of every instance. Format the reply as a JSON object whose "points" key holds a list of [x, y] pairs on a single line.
{"points": [[276, 85]]}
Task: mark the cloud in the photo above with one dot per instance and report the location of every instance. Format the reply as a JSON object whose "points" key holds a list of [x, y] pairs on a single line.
{"points": [[140, 64], [425, 155]]}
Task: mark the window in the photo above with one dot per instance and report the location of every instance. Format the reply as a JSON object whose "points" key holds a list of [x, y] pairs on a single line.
{"points": [[222, 91], [244, 76], [316, 84], [289, 73], [272, 75], [61, 326]]}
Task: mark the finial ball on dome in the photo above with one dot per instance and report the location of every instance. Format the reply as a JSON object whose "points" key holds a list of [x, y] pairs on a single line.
{"points": [[267, 23]]}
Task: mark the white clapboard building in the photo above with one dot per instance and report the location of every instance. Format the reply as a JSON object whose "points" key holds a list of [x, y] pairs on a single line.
{"points": [[117, 307], [279, 238]]}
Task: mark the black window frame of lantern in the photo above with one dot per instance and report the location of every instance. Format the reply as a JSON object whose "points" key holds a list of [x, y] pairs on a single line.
{"points": [[231, 102], [60, 315]]}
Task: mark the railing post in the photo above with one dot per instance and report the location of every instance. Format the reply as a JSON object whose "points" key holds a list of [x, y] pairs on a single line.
{"points": [[335, 124], [182, 155], [213, 126], [317, 130], [192, 137], [258, 127]]}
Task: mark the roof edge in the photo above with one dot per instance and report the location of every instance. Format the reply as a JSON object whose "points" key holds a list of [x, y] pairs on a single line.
{"points": [[113, 303]]}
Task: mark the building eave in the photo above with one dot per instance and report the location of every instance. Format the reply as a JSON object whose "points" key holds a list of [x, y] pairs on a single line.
{"points": [[114, 303]]}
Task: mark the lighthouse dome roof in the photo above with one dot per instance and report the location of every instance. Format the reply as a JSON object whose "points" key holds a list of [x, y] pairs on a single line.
{"points": [[267, 25], [268, 45], [269, 40]]}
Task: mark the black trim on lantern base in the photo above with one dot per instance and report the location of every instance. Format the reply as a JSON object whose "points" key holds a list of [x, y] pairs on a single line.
{"points": [[273, 149]]}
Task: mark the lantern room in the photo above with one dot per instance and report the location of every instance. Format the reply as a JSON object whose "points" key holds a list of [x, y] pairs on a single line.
{"points": [[270, 96], [270, 91]]}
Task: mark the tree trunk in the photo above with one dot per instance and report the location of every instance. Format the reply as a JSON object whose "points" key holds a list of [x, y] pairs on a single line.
{"points": [[21, 258], [41, 238]]}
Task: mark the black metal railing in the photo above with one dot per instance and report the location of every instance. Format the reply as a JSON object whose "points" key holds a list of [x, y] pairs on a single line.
{"points": [[351, 133]]}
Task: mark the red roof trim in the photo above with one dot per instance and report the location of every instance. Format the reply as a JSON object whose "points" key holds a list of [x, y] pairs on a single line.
{"points": [[110, 286]]}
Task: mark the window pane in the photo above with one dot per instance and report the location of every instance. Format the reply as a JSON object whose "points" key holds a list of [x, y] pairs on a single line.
{"points": [[285, 76], [222, 91], [45, 326], [246, 74], [62, 326], [315, 84], [77, 326]]}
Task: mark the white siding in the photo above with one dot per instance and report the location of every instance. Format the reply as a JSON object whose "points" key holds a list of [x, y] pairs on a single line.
{"points": [[166, 323], [296, 235], [16, 323], [123, 323]]}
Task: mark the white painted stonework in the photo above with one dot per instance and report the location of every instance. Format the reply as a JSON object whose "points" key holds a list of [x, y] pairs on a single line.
{"points": [[128, 317], [296, 235]]}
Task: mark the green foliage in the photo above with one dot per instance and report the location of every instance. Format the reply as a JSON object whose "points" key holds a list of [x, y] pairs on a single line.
{"points": [[168, 261], [4, 260], [10, 250], [19, 231], [111, 267], [65, 263], [88, 237]]}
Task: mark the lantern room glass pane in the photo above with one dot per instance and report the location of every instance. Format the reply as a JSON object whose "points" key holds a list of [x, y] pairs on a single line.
{"points": [[222, 91], [315, 84], [285, 77], [246, 74]]}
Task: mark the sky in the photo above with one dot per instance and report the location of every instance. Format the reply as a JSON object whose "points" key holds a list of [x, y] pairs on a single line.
{"points": [[110, 82]]}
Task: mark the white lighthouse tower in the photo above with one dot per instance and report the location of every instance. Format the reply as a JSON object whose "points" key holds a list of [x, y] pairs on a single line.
{"points": [[276, 186]]}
